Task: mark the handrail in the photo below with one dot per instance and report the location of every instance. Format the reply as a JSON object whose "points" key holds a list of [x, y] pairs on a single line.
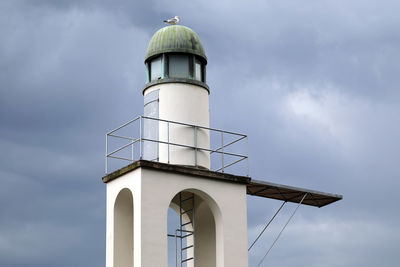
{"points": [[198, 148], [122, 147], [230, 164], [231, 143], [194, 125], [123, 137], [113, 134], [125, 124]]}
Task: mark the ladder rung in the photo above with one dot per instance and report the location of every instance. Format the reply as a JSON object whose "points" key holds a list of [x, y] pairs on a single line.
{"points": [[187, 235], [186, 199], [187, 247], [185, 260], [184, 231], [186, 223], [186, 211]]}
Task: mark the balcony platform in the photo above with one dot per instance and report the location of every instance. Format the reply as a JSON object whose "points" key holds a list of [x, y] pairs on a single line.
{"points": [[254, 187], [290, 193]]}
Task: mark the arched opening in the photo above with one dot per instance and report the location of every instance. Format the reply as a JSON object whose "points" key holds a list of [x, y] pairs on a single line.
{"points": [[123, 229], [192, 231]]}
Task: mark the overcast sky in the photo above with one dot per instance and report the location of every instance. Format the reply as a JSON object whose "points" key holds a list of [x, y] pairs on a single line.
{"points": [[314, 83]]}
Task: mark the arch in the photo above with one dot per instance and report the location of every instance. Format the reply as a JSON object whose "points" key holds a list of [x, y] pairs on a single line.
{"points": [[123, 229], [208, 242]]}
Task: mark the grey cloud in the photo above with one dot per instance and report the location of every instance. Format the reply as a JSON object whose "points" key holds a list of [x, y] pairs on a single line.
{"points": [[71, 70]]}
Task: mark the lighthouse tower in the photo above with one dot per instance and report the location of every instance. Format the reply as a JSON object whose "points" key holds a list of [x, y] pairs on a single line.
{"points": [[176, 90], [173, 170], [172, 165]]}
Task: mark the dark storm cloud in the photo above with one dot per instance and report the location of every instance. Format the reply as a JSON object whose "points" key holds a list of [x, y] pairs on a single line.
{"points": [[317, 42], [140, 13], [313, 84], [56, 104]]}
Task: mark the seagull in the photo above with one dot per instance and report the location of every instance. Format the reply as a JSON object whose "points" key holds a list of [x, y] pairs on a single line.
{"points": [[172, 21]]}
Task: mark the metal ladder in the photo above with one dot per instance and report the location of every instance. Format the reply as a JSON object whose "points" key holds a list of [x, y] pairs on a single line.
{"points": [[186, 207]]}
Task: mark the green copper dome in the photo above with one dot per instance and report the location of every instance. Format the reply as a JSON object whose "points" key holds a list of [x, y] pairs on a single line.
{"points": [[175, 38]]}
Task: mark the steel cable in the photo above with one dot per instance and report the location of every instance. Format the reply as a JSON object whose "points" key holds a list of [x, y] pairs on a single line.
{"points": [[273, 217], [276, 239]]}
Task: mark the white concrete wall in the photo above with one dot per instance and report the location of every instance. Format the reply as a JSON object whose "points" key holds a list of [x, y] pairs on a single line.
{"points": [[131, 181], [152, 193], [185, 103]]}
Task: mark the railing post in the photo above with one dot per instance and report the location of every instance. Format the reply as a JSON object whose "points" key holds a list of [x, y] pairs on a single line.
{"points": [[140, 137], [247, 156], [222, 148], [106, 154], [195, 146], [133, 152], [168, 140]]}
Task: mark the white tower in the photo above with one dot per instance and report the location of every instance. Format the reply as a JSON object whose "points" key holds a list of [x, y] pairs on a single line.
{"points": [[173, 170], [176, 90], [170, 167]]}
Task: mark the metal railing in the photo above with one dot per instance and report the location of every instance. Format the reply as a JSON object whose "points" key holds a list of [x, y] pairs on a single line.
{"points": [[221, 149]]}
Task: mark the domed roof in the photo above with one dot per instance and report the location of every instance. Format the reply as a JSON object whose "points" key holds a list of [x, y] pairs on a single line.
{"points": [[175, 38]]}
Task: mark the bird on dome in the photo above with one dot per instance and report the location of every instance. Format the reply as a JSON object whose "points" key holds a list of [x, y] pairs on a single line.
{"points": [[173, 21]]}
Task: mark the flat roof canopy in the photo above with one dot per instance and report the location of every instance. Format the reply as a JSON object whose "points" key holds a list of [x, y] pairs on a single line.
{"points": [[290, 193], [254, 187]]}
